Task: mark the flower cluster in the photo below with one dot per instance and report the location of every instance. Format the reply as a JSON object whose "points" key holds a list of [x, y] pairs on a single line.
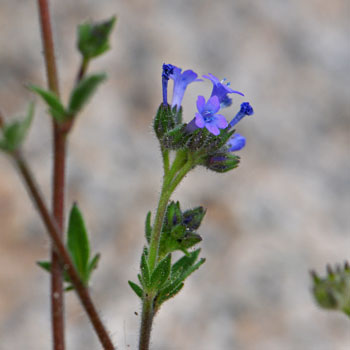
{"points": [[208, 132]]}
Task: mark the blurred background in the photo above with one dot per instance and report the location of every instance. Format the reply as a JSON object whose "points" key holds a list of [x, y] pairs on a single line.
{"points": [[284, 211]]}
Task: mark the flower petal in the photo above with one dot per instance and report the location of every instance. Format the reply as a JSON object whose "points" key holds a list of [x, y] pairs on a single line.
{"points": [[200, 103], [221, 121], [213, 104], [212, 128], [199, 120]]}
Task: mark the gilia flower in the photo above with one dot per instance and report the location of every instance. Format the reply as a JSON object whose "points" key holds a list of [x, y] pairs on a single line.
{"points": [[246, 109], [181, 80], [221, 89], [207, 117]]}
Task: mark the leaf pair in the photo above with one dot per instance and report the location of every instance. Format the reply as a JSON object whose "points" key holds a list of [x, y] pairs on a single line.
{"points": [[78, 247], [80, 95], [14, 133]]}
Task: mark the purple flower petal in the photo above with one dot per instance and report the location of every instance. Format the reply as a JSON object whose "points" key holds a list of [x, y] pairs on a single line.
{"points": [[181, 80], [199, 120], [212, 128], [200, 103], [221, 121], [221, 89], [213, 104]]}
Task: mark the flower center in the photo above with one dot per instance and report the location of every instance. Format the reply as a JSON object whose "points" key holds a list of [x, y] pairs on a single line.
{"points": [[208, 116]]}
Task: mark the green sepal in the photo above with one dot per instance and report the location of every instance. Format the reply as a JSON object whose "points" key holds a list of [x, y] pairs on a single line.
{"points": [[178, 232], [189, 240], [222, 162], [15, 132], [148, 227], [333, 291], [176, 138], [173, 215], [78, 243], [192, 218], [93, 38], [56, 108], [136, 288], [83, 91], [161, 273], [145, 272], [165, 120]]}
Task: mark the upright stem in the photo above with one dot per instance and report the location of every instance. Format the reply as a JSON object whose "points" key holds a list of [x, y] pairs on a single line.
{"points": [[180, 167], [146, 323], [59, 151], [64, 257]]}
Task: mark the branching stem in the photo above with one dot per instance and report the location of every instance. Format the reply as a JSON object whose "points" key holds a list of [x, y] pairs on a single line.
{"points": [[64, 257]]}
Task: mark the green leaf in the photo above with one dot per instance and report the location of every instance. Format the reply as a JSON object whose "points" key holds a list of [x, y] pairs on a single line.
{"points": [[14, 133], [78, 243], [83, 91], [161, 273], [185, 262], [93, 38], [93, 263], [56, 108], [136, 288], [145, 273], [169, 294], [148, 227]]}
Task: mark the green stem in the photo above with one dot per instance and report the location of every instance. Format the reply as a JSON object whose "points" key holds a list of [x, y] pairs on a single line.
{"points": [[82, 70], [180, 167], [165, 155], [146, 323]]}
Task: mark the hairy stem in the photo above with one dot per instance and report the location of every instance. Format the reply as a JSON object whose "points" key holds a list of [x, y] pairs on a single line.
{"points": [[146, 323], [170, 182], [58, 181], [180, 167], [64, 257]]}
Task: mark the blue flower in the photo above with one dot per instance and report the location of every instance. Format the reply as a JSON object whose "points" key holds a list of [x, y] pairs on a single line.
{"points": [[207, 117], [236, 143], [181, 80], [221, 89], [246, 109], [168, 69]]}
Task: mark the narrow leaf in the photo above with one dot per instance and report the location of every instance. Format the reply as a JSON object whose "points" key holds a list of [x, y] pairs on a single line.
{"points": [[83, 91], [78, 243], [137, 289], [56, 108], [148, 227], [185, 262], [171, 293], [145, 273], [161, 273]]}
